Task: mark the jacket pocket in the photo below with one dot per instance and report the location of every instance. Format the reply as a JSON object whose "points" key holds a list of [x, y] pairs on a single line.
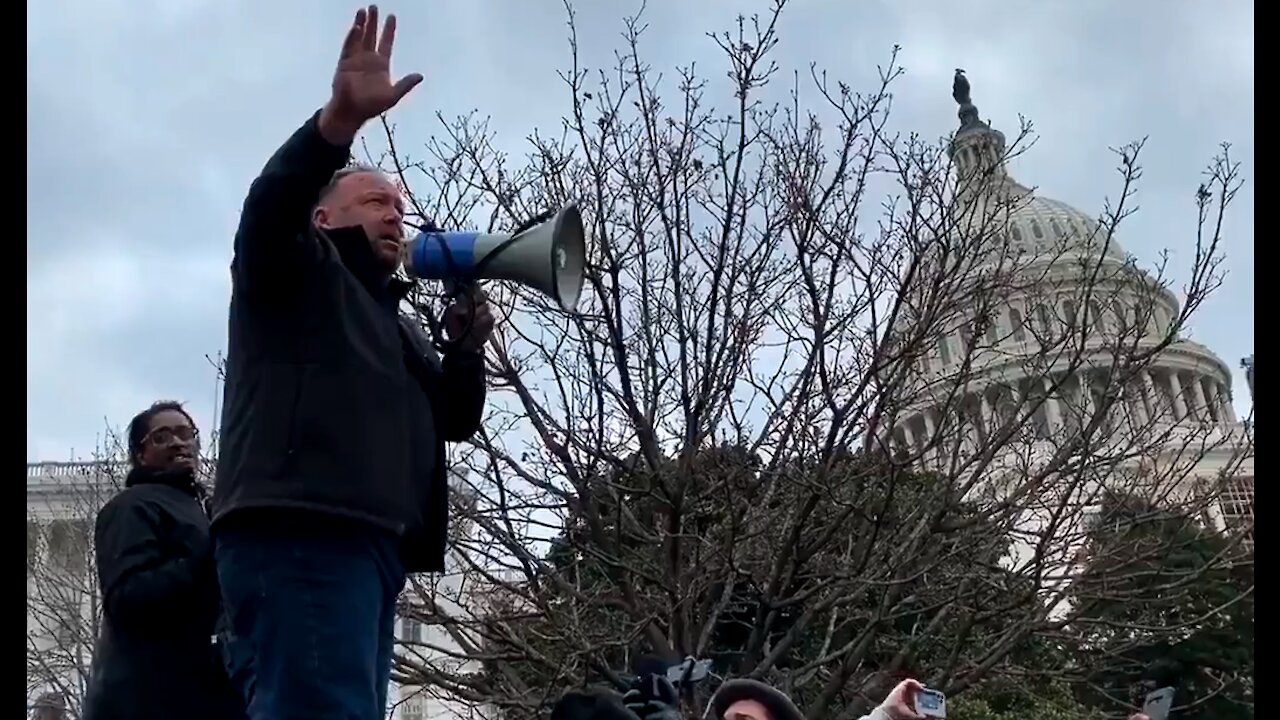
{"points": [[271, 439], [297, 389]]}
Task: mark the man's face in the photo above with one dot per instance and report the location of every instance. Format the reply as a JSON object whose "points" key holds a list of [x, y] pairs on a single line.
{"points": [[367, 199], [747, 710]]}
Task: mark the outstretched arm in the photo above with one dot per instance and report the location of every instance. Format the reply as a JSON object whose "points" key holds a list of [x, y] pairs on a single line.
{"points": [[273, 235], [273, 226]]}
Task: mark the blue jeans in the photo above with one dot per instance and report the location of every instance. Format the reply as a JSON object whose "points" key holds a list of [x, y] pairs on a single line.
{"points": [[312, 613]]}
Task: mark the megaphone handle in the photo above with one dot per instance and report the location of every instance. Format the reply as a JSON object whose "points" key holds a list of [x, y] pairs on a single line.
{"points": [[452, 287], [455, 289]]}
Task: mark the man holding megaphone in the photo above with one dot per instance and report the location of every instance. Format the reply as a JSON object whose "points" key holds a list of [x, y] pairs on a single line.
{"points": [[331, 481]]}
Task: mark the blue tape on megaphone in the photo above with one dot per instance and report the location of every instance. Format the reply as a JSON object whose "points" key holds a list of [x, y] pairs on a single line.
{"points": [[427, 255]]}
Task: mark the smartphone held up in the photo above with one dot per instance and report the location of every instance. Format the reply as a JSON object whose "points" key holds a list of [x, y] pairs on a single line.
{"points": [[931, 703]]}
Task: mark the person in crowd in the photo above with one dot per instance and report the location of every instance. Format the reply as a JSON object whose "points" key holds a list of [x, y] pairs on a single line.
{"points": [[156, 657], [591, 705], [331, 482], [738, 699], [752, 700], [742, 699]]}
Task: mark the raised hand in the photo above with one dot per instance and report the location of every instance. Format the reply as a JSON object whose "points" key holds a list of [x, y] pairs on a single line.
{"points": [[658, 701], [901, 702], [362, 87]]}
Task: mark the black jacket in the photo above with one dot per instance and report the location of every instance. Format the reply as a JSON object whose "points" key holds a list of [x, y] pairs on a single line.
{"points": [[333, 403], [155, 657]]}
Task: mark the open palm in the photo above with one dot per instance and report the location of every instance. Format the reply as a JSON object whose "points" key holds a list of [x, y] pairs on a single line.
{"points": [[362, 87]]}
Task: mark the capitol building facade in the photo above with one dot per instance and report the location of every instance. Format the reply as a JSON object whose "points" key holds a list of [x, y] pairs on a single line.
{"points": [[1056, 350]]}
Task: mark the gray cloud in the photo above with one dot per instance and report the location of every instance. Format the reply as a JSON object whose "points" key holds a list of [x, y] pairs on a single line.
{"points": [[147, 120]]}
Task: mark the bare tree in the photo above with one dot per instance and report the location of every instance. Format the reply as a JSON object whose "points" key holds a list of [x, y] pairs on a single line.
{"points": [[856, 393], [64, 610]]}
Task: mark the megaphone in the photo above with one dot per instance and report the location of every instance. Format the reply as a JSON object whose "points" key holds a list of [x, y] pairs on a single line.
{"points": [[549, 257]]}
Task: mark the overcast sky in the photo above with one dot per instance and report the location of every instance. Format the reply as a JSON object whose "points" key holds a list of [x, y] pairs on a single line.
{"points": [[146, 120]]}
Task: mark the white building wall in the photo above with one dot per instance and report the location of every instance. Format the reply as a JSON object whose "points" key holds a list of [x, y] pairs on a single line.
{"points": [[63, 607]]}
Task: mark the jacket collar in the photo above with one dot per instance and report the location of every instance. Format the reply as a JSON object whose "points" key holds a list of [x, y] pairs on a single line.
{"points": [[183, 479], [357, 256]]}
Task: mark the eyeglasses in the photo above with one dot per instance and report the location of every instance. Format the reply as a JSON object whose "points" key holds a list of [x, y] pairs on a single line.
{"points": [[167, 435]]}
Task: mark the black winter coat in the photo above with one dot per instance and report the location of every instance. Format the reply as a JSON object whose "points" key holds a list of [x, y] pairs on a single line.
{"points": [[591, 705], [156, 657], [332, 403]]}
